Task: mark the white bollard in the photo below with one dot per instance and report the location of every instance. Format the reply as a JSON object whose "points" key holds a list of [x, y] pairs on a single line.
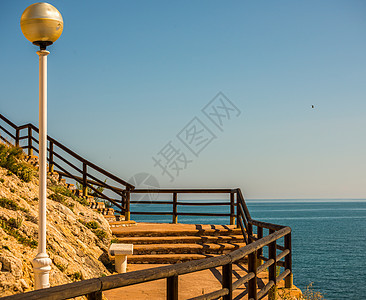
{"points": [[120, 252], [120, 262]]}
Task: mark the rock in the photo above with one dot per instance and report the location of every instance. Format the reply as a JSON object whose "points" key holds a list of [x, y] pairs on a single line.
{"points": [[11, 264], [75, 250], [24, 284]]}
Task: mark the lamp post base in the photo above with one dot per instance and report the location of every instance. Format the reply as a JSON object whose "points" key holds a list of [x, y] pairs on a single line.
{"points": [[41, 267]]}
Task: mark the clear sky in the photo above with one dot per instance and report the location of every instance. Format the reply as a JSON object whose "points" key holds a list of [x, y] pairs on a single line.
{"points": [[128, 77]]}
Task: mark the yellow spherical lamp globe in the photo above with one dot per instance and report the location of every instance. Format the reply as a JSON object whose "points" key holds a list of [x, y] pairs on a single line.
{"points": [[41, 24]]}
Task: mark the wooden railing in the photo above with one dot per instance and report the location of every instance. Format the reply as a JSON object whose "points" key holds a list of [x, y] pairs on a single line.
{"points": [[93, 288], [254, 231], [175, 202], [68, 164]]}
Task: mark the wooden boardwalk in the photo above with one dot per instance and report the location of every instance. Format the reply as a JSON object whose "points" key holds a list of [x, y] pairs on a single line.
{"points": [[166, 243], [190, 285], [181, 242]]}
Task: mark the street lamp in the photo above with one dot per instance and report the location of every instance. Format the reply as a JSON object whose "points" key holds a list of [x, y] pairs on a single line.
{"points": [[42, 24]]}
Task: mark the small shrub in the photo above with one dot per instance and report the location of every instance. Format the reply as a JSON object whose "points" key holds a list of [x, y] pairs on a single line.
{"points": [[15, 223], [309, 294], [92, 225], [82, 201], [11, 159], [12, 190], [100, 233], [60, 266], [57, 197], [77, 276], [27, 241], [2, 180], [6, 248], [11, 204], [60, 189]]}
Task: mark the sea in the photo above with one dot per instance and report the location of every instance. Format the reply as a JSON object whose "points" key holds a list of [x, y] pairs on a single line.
{"points": [[328, 239]]}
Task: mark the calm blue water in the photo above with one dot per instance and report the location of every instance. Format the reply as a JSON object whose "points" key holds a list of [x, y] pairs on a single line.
{"points": [[328, 238]]}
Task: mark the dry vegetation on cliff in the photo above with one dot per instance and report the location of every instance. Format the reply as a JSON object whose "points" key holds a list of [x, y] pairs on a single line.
{"points": [[77, 237]]}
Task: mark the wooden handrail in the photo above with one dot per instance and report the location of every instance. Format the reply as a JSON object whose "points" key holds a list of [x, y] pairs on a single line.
{"points": [[184, 191], [7, 132], [265, 225], [73, 154], [8, 121]]}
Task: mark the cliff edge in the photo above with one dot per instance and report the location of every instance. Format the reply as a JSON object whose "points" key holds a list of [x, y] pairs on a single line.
{"points": [[77, 237]]}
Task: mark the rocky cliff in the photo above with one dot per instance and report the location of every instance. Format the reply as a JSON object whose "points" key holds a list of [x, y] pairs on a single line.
{"points": [[77, 237]]}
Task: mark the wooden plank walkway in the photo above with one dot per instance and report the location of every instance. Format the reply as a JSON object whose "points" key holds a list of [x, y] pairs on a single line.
{"points": [[190, 285]]}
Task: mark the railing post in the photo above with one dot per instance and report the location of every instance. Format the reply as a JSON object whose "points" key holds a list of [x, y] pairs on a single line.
{"points": [[85, 187], [252, 284], [127, 212], [237, 210], [50, 162], [123, 202], [175, 215], [17, 137], [260, 251], [232, 208], [30, 149], [227, 280], [272, 295], [250, 232], [172, 288], [95, 296], [288, 262]]}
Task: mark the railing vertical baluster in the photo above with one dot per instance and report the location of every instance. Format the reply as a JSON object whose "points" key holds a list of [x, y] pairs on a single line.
{"points": [[172, 288], [250, 232], [50, 163], [272, 270], [288, 262], [175, 215], [95, 296], [30, 149], [252, 284], [17, 137], [127, 212], [260, 251], [227, 280], [123, 202], [237, 210], [85, 187], [232, 208]]}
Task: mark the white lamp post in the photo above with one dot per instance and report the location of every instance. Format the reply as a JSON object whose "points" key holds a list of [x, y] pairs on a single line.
{"points": [[42, 24]]}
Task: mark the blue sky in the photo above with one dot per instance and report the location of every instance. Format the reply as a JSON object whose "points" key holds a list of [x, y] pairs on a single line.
{"points": [[126, 77]]}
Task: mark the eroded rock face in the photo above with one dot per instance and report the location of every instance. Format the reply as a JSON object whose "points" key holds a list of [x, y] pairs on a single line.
{"points": [[11, 264], [76, 251]]}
